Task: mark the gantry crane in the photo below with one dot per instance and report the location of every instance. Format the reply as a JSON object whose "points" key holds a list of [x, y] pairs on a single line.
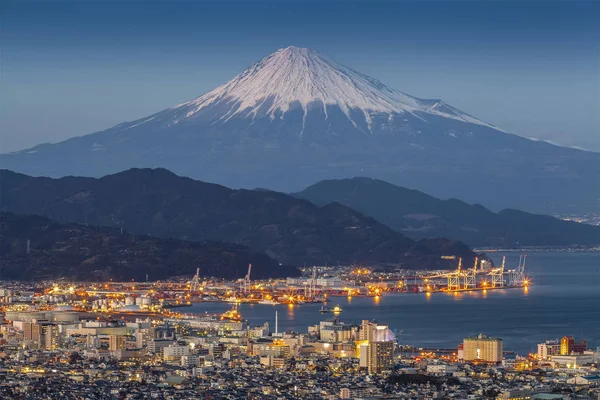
{"points": [[466, 279], [247, 279], [195, 282], [516, 277], [470, 276], [454, 277], [497, 275]]}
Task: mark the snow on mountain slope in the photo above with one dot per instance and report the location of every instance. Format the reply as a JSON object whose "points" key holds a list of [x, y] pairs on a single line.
{"points": [[307, 78], [297, 117]]}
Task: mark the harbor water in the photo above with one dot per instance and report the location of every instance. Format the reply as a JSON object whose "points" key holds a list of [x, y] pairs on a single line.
{"points": [[564, 299]]}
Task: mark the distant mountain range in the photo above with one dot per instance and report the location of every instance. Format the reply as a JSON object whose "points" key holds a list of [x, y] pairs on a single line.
{"points": [[79, 252], [160, 203], [297, 117], [419, 215]]}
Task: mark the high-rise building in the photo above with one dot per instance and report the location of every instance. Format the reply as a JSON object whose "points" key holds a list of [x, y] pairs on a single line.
{"points": [[116, 342], [482, 348], [548, 349], [51, 337], [335, 331], [568, 346], [367, 329], [32, 331], [27, 330], [380, 356], [143, 335], [373, 332]]}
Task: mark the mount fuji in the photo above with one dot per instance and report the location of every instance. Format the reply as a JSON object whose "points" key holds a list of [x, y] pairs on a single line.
{"points": [[297, 116]]}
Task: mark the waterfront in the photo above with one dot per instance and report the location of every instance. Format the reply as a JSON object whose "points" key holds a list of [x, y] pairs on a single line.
{"points": [[563, 300]]}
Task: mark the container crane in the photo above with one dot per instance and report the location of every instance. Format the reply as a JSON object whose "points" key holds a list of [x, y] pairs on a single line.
{"points": [[516, 276], [195, 282], [454, 277], [247, 279], [497, 275], [470, 276]]}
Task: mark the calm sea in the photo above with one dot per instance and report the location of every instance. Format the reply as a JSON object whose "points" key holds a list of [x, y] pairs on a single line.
{"points": [[564, 299]]}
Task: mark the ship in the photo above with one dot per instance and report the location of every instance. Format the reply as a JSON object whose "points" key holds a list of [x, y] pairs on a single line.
{"points": [[231, 315], [313, 301], [232, 300], [268, 302], [336, 310]]}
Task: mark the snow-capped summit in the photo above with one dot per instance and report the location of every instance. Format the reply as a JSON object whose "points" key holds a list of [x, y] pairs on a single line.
{"points": [[297, 117], [306, 78]]}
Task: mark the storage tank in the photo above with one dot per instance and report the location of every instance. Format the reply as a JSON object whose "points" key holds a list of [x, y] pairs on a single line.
{"points": [[28, 316], [65, 316]]}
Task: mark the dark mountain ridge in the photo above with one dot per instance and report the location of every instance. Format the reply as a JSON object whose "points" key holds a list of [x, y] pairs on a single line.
{"points": [[160, 203], [419, 215], [84, 253]]}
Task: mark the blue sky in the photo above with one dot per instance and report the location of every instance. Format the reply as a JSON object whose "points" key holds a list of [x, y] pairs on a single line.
{"points": [[72, 68]]}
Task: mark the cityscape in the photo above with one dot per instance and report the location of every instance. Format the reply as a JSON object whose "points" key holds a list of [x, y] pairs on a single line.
{"points": [[136, 340], [280, 200]]}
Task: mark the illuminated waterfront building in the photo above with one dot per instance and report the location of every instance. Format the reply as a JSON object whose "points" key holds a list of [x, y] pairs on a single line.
{"points": [[373, 332], [573, 360], [375, 347], [335, 331], [367, 330], [330, 282], [548, 349], [568, 346], [482, 348]]}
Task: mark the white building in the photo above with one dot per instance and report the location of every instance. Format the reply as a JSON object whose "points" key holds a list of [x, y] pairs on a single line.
{"points": [[330, 282], [189, 361], [156, 346], [575, 360], [548, 349], [441, 369], [174, 352]]}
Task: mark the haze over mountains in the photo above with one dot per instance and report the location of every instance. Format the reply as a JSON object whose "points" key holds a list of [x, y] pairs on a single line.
{"points": [[297, 117], [419, 215], [160, 203]]}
